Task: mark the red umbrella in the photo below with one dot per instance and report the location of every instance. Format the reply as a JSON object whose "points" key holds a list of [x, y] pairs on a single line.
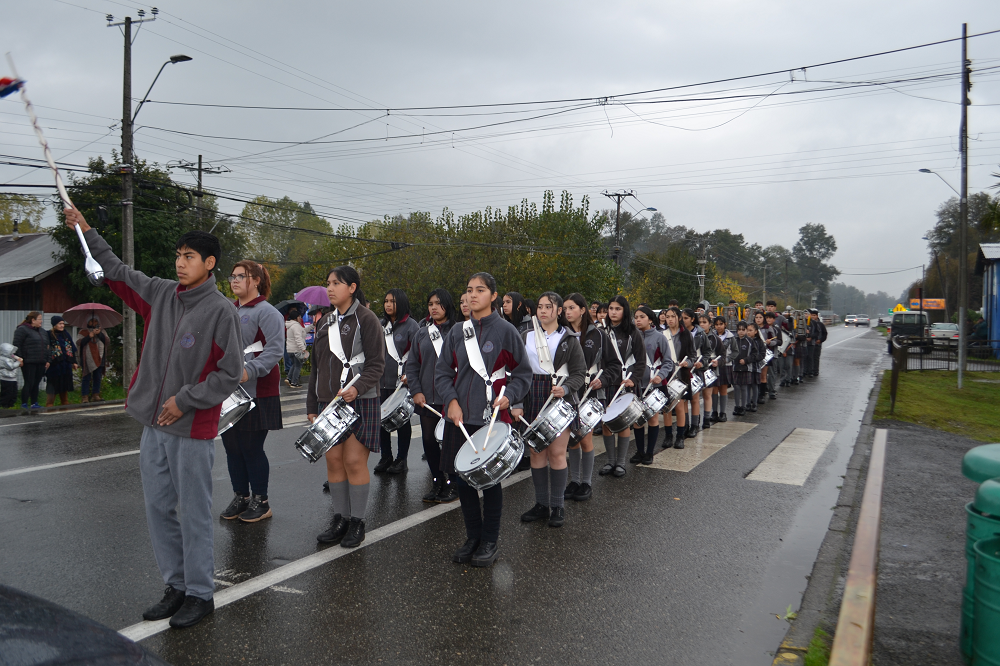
{"points": [[314, 296], [81, 314]]}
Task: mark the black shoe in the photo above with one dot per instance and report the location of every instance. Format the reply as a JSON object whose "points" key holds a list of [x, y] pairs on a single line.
{"points": [[607, 469], [558, 517], [772, 396], [722, 418], [431, 497], [752, 408], [423, 456], [398, 467], [762, 397], [191, 612], [236, 507], [337, 530], [714, 417], [647, 459], [679, 444], [524, 464], [739, 411], [326, 486], [486, 554], [447, 494], [706, 423], [383, 465], [583, 493], [257, 510], [692, 431], [355, 534], [620, 471], [571, 489], [537, 512], [464, 554], [636, 459], [171, 602]]}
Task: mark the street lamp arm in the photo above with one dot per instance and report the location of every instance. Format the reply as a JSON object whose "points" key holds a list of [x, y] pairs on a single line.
{"points": [[942, 180], [146, 96]]}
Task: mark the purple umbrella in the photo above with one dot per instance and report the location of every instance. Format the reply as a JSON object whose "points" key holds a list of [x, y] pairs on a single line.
{"points": [[314, 296]]}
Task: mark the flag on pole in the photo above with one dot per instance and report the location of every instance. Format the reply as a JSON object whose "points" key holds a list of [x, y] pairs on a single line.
{"points": [[9, 86]]}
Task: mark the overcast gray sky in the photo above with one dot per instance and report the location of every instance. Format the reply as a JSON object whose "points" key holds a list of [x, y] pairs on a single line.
{"points": [[845, 155]]}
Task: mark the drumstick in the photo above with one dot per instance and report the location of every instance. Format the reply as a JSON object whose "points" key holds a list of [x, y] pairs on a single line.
{"points": [[496, 410], [621, 387], [468, 438], [523, 421], [344, 388], [434, 411]]}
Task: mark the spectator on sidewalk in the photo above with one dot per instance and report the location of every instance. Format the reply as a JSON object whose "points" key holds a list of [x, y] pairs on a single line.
{"points": [[980, 330], [93, 344], [62, 363], [33, 343], [295, 348], [9, 363]]}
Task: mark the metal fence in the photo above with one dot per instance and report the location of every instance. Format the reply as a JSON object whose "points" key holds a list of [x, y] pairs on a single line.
{"points": [[981, 355]]}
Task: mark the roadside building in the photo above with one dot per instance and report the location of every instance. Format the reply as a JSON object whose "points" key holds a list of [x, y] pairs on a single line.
{"points": [[988, 265], [31, 278]]}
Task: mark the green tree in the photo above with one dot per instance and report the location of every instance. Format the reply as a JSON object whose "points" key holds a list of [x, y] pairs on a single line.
{"points": [[27, 209]]}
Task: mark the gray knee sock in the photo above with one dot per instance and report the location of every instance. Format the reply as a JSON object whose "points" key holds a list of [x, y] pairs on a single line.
{"points": [[341, 498], [623, 441], [587, 473], [573, 455], [723, 399], [609, 445], [540, 477], [359, 500], [557, 486]]}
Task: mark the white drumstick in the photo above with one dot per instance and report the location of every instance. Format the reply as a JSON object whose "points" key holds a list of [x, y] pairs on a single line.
{"points": [[347, 386], [496, 410], [434, 411], [523, 421], [467, 437], [621, 388]]}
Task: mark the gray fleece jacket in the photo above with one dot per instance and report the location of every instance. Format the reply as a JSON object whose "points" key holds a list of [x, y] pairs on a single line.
{"points": [[191, 347], [420, 365]]}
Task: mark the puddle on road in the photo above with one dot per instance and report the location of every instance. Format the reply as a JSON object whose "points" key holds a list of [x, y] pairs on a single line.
{"points": [[785, 580]]}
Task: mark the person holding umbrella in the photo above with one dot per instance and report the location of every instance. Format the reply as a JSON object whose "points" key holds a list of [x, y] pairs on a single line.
{"points": [[93, 344], [62, 363]]}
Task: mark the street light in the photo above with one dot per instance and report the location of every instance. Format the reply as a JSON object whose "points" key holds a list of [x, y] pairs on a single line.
{"points": [[145, 98], [941, 177]]}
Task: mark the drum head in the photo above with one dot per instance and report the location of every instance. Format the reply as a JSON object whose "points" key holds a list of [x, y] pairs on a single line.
{"points": [[394, 402], [439, 431], [616, 408], [467, 459]]}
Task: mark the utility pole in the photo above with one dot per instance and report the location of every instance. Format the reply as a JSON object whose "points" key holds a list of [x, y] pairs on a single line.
{"points": [[963, 257], [618, 196], [765, 284], [201, 169], [126, 170], [701, 277]]}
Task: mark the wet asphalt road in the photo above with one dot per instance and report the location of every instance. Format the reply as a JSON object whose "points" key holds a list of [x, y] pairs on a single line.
{"points": [[660, 567]]}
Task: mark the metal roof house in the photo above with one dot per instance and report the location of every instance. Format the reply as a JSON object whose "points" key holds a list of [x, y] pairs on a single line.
{"points": [[31, 278], [988, 265]]}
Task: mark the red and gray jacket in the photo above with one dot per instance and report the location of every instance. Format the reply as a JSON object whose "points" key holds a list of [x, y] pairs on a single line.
{"points": [[260, 322], [191, 346]]}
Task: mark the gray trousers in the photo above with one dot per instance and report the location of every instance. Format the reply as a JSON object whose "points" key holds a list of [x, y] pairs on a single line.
{"points": [[817, 350], [177, 484], [785, 366]]}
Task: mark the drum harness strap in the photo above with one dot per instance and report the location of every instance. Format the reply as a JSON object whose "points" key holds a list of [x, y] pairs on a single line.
{"points": [[390, 346], [434, 333], [545, 359], [337, 347], [479, 365], [628, 363]]}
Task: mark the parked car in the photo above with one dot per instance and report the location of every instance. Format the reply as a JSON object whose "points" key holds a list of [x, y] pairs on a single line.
{"points": [[885, 320], [862, 320], [944, 334], [912, 325], [850, 319]]}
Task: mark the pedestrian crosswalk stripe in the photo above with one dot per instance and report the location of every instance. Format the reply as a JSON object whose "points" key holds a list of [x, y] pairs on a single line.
{"points": [[793, 460], [696, 450]]}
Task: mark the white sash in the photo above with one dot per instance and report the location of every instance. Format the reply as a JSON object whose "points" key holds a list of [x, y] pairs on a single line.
{"points": [[390, 346], [434, 333], [670, 343], [479, 365], [614, 345], [337, 346], [545, 354]]}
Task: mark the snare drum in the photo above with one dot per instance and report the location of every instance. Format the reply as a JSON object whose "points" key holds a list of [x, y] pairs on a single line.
{"points": [[676, 388], [439, 431], [710, 377], [697, 383], [654, 402], [234, 408], [623, 412], [330, 428], [549, 424], [483, 469], [397, 410], [588, 416]]}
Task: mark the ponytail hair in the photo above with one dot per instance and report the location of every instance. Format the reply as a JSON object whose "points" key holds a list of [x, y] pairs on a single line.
{"points": [[259, 273]]}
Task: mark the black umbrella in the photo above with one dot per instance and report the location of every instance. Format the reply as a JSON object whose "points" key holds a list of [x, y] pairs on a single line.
{"points": [[284, 306]]}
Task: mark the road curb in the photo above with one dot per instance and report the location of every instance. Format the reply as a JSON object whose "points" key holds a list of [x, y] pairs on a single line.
{"points": [[826, 581], [55, 409]]}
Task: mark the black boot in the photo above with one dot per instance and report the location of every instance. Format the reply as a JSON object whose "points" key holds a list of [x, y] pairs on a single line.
{"points": [[383, 464], [706, 422], [447, 494], [486, 554], [464, 554], [431, 497], [692, 430], [668, 438], [355, 534], [722, 418], [337, 530]]}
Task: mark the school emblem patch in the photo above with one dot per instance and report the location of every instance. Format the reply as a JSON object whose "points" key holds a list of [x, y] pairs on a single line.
{"points": [[589, 344], [488, 347], [398, 337], [345, 329], [187, 340], [245, 319]]}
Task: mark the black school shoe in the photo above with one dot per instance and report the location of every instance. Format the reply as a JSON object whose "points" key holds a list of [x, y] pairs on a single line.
{"points": [[558, 516], [398, 467], [431, 497], [537, 512], [236, 507], [337, 530], [619, 471], [647, 459], [355, 534], [571, 489], [257, 510], [486, 554], [583, 493], [464, 554], [636, 459], [192, 612], [722, 418], [447, 494], [171, 602], [383, 465]]}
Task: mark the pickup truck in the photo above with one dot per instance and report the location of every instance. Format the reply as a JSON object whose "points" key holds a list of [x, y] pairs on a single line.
{"points": [[912, 325]]}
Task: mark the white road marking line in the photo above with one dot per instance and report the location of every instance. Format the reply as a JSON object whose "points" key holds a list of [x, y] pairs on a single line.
{"points": [[826, 346], [793, 460], [143, 630], [282, 588], [11, 425], [699, 449], [25, 470]]}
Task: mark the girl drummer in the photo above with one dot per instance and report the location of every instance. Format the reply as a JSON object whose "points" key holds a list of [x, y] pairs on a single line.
{"points": [[659, 366], [356, 352], [420, 381], [498, 349], [723, 364], [259, 321], [630, 349], [683, 351], [399, 329], [549, 471], [764, 334], [604, 369], [711, 345], [700, 348], [753, 333]]}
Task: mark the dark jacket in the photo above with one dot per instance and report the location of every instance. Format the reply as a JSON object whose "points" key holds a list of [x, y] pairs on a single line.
{"points": [[191, 348], [630, 345], [420, 365], [324, 380], [745, 350], [596, 345], [403, 332], [32, 343], [501, 347], [759, 349], [63, 354], [657, 352], [569, 353]]}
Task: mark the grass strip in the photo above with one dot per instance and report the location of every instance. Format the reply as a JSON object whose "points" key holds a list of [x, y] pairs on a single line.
{"points": [[819, 649], [931, 398]]}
